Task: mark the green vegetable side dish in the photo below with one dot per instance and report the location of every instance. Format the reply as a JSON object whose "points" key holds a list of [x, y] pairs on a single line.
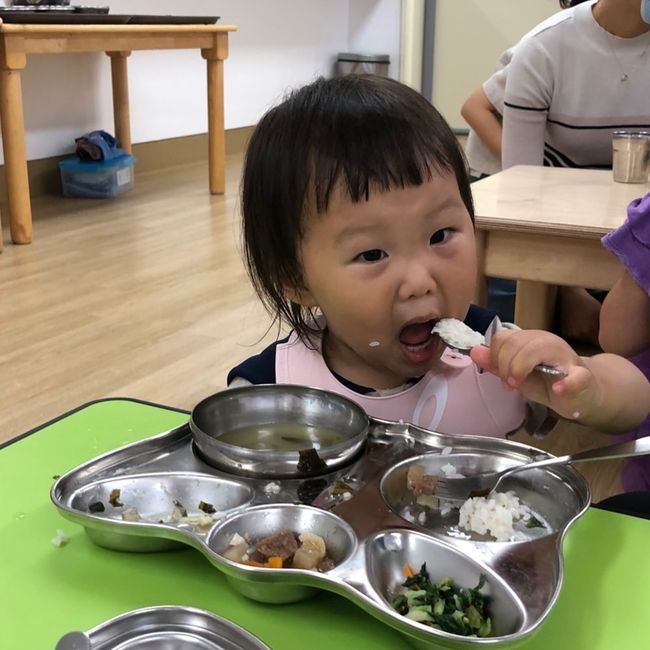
{"points": [[445, 606]]}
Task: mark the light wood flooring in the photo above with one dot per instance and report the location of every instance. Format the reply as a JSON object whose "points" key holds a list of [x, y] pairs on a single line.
{"points": [[145, 296]]}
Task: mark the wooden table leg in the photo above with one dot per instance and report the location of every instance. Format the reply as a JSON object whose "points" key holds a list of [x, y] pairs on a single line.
{"points": [[121, 115], [13, 144], [216, 123], [535, 305]]}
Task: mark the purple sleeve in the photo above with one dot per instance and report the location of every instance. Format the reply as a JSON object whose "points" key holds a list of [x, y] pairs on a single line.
{"points": [[631, 241]]}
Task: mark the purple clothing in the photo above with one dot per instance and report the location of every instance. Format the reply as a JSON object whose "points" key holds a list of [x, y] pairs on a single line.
{"points": [[631, 244]]}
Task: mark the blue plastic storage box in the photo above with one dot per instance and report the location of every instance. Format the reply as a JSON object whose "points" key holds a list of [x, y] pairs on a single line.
{"points": [[97, 180]]}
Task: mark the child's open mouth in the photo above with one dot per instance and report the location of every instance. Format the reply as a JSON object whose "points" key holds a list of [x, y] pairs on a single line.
{"points": [[417, 342]]}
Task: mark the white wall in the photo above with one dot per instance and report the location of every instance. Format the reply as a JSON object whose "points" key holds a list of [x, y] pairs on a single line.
{"points": [[280, 44], [470, 37]]}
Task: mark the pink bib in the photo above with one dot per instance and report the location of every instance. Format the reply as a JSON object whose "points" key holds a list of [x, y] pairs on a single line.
{"points": [[456, 399]]}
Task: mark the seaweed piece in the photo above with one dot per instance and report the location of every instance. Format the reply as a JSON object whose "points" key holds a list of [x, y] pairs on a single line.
{"points": [[180, 509], [310, 489], [96, 506], [56, 477], [310, 462], [534, 522], [206, 507], [114, 499]]}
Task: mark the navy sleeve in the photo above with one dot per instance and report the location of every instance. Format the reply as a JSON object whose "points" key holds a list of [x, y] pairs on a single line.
{"points": [[259, 369], [479, 318]]}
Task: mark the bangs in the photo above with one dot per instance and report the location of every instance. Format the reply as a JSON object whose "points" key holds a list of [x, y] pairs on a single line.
{"points": [[373, 164], [374, 141]]}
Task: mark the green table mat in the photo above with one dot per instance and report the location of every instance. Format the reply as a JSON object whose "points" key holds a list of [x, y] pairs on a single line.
{"points": [[47, 591]]}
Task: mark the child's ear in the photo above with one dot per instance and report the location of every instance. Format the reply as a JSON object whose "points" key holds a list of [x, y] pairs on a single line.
{"points": [[300, 296]]}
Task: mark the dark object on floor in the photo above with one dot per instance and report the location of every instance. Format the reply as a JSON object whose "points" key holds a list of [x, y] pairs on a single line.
{"points": [[97, 146], [636, 504]]}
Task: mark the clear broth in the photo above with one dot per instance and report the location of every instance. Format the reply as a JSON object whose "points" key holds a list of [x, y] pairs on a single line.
{"points": [[282, 436]]}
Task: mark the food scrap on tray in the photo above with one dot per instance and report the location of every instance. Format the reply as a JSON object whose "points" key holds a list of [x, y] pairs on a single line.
{"points": [[443, 605], [179, 515], [283, 550]]}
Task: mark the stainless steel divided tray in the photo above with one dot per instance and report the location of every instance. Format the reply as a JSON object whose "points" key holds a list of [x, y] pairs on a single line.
{"points": [[158, 493]]}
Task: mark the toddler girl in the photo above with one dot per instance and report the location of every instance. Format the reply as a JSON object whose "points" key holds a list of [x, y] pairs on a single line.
{"points": [[358, 233]]}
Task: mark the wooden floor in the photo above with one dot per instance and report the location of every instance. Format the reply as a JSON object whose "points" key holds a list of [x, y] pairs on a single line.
{"points": [[145, 296]]}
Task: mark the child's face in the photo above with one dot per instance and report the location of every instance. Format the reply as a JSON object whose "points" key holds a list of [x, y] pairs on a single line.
{"points": [[383, 271]]}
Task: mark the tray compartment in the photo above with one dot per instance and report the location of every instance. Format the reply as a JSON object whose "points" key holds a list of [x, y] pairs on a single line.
{"points": [[280, 585], [389, 551], [555, 496], [154, 497]]}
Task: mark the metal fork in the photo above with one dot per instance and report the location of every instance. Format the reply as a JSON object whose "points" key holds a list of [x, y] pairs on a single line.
{"points": [[482, 484]]}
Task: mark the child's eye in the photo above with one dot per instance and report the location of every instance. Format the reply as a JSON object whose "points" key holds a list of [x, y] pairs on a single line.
{"points": [[440, 236], [374, 255]]}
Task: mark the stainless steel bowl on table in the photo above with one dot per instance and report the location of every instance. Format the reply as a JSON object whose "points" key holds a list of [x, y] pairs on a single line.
{"points": [[278, 431]]}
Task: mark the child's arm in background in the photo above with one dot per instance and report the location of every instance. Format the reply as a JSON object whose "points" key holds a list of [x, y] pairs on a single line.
{"points": [[625, 318], [480, 114], [605, 391]]}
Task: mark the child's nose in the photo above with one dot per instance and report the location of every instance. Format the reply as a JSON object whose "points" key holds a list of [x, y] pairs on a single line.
{"points": [[418, 280]]}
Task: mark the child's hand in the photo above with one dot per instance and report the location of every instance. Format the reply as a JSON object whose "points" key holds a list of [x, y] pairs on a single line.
{"points": [[513, 354]]}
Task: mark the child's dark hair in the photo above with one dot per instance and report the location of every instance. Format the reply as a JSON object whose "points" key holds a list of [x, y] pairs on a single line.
{"points": [[357, 134], [565, 4]]}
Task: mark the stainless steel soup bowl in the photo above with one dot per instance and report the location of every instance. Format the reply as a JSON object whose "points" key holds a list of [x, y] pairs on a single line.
{"points": [[269, 404]]}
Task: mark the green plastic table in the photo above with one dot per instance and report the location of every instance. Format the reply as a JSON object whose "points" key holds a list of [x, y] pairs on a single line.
{"points": [[46, 591]]}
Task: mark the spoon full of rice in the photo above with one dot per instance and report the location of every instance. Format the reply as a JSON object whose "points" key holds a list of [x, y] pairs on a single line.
{"points": [[460, 337]]}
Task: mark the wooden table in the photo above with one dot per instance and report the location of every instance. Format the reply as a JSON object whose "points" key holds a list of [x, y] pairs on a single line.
{"points": [[542, 227], [18, 40]]}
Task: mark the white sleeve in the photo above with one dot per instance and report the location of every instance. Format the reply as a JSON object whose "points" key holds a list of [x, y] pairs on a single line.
{"points": [[528, 95], [494, 87]]}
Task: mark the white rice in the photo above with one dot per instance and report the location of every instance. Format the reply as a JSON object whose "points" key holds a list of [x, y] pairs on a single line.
{"points": [[272, 488], [449, 471], [493, 515], [60, 539], [456, 334]]}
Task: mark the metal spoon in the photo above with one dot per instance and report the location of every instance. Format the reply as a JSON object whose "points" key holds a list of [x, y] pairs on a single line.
{"points": [[494, 327]]}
